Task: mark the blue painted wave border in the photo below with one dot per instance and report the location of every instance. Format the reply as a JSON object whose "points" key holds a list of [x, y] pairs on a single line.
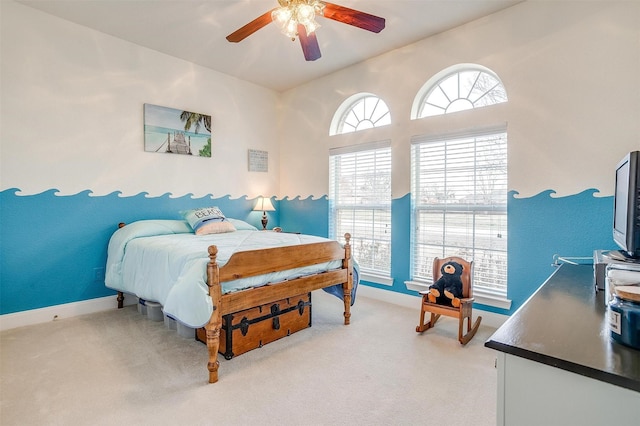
{"points": [[51, 244]]}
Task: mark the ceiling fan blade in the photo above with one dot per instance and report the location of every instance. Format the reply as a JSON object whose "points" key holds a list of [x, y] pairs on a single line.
{"points": [[309, 44], [250, 28], [353, 17]]}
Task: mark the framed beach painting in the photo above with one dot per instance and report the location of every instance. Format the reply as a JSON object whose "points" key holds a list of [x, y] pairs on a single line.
{"points": [[173, 131]]}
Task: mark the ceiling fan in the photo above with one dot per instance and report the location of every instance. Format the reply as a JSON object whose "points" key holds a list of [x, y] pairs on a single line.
{"points": [[296, 18]]}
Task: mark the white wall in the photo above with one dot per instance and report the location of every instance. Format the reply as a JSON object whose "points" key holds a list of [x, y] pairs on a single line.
{"points": [[72, 115], [571, 72], [570, 69]]}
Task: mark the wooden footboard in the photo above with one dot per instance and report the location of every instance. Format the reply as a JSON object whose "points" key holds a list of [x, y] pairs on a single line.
{"points": [[258, 262]]}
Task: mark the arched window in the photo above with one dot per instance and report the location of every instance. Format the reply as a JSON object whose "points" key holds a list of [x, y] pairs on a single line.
{"points": [[458, 88], [359, 112], [459, 182], [360, 186]]}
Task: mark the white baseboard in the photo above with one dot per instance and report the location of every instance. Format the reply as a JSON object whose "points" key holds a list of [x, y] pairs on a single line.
{"points": [[67, 310], [413, 302]]}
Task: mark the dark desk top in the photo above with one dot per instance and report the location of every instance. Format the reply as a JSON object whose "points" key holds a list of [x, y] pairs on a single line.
{"points": [[564, 325]]}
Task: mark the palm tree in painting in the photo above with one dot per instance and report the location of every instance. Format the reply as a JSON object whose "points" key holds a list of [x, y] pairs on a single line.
{"points": [[193, 119], [206, 150]]}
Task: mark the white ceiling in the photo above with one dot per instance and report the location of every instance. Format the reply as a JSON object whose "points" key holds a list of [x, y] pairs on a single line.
{"points": [[195, 30]]}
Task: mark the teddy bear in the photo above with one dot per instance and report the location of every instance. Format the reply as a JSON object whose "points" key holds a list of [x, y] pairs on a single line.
{"points": [[447, 290]]}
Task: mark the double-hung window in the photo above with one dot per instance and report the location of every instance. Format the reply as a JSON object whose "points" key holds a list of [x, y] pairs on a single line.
{"points": [[459, 206], [360, 204]]}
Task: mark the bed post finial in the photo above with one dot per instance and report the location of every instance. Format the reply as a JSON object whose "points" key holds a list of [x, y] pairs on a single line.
{"points": [[213, 253]]}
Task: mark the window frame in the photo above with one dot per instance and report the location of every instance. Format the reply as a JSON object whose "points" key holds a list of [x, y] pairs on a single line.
{"points": [[435, 84], [380, 230], [347, 108], [483, 294]]}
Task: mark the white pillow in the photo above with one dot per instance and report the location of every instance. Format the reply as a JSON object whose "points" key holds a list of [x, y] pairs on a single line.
{"points": [[215, 227]]}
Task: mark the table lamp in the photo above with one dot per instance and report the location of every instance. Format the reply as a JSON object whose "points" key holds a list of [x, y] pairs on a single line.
{"points": [[264, 205]]}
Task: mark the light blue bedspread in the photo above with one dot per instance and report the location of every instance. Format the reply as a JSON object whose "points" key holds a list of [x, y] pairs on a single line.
{"points": [[165, 262]]}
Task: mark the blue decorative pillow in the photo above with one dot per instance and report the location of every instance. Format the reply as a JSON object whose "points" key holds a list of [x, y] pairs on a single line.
{"points": [[198, 217]]}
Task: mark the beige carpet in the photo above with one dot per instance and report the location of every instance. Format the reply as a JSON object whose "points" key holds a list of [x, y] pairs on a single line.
{"points": [[118, 367]]}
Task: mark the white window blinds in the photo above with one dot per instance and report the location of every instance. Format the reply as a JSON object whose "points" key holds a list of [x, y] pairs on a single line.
{"points": [[459, 205], [360, 203]]}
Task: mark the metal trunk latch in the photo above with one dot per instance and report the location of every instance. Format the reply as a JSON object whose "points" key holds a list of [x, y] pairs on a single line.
{"points": [[275, 311], [244, 326]]}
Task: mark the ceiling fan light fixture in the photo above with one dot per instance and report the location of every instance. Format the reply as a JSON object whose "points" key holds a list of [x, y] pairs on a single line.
{"points": [[294, 12], [291, 29], [281, 16], [311, 26], [305, 13]]}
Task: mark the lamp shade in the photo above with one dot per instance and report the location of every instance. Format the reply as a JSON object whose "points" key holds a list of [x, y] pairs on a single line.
{"points": [[264, 205]]}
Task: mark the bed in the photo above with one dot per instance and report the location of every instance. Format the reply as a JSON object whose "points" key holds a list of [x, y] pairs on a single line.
{"points": [[200, 277]]}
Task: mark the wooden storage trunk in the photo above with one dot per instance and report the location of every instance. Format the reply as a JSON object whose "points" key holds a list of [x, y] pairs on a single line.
{"points": [[252, 328]]}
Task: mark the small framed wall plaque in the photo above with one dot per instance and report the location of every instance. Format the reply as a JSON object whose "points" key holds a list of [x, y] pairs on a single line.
{"points": [[258, 160]]}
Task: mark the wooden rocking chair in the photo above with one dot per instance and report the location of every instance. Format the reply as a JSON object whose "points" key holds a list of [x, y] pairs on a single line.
{"points": [[462, 312]]}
